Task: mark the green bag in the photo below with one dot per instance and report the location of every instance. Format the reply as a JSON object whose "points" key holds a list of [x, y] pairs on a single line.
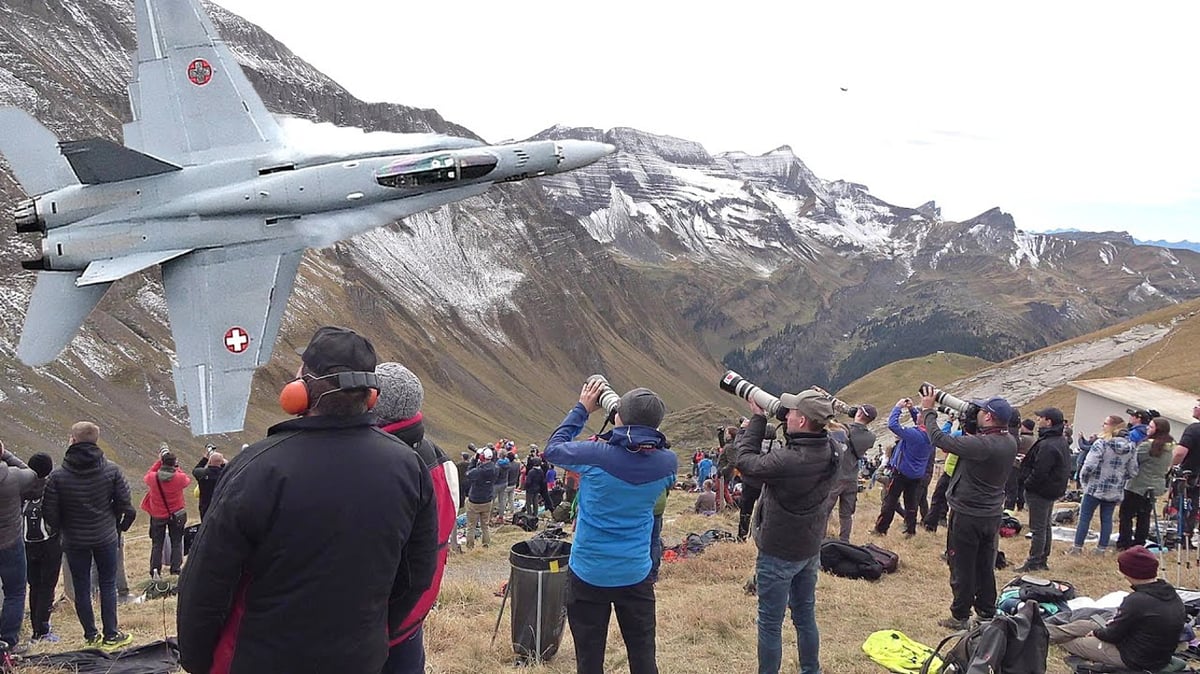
{"points": [[898, 653]]}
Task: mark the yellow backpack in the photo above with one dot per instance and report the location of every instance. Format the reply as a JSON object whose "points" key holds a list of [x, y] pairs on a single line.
{"points": [[898, 653]]}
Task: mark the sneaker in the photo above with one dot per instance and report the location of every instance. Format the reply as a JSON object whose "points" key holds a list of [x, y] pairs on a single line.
{"points": [[93, 641], [1074, 551], [118, 640], [20, 649], [1029, 567], [48, 637], [1099, 552], [954, 624], [155, 574]]}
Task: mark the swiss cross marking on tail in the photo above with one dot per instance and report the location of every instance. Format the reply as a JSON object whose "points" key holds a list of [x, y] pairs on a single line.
{"points": [[236, 340], [199, 72]]}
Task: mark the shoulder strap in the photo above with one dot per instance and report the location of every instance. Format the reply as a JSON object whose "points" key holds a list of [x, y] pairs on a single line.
{"points": [[163, 494]]}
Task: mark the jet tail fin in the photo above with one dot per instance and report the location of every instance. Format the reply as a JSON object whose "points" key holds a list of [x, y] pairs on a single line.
{"points": [[32, 151], [96, 161], [56, 310]]}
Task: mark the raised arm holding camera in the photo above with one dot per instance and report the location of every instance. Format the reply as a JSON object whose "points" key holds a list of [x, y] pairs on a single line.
{"points": [[976, 497]]}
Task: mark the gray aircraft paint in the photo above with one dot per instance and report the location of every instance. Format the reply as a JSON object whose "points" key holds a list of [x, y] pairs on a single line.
{"points": [[207, 186]]}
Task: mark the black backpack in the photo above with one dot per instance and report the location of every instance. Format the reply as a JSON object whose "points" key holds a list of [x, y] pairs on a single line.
{"points": [[849, 561], [1006, 644], [889, 560], [526, 521]]}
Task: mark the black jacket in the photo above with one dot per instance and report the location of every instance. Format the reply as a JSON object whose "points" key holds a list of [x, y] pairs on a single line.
{"points": [[306, 541], [513, 475], [790, 519], [87, 498], [1147, 625], [1047, 466], [482, 479], [206, 479], [984, 463], [535, 480]]}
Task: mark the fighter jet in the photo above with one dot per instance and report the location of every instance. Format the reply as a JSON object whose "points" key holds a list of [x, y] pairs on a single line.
{"points": [[209, 186]]}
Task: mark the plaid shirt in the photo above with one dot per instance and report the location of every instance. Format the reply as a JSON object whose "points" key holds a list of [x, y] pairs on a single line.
{"points": [[1110, 463]]}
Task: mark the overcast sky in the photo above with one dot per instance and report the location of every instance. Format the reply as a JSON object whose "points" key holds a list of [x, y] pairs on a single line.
{"points": [[1064, 114]]}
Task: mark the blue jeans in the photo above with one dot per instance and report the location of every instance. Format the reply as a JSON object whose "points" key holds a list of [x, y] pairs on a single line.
{"points": [[79, 562], [656, 548], [408, 656], [12, 577], [1087, 507], [783, 584]]}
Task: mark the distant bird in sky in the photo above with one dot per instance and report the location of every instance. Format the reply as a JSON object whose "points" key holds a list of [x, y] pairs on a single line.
{"points": [[844, 89]]}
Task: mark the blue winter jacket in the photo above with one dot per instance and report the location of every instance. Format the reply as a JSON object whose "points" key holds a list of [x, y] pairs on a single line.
{"points": [[913, 450], [619, 481]]}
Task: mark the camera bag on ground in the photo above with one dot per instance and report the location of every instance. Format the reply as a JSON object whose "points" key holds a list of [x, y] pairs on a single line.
{"points": [[1006, 644], [849, 561], [524, 520], [898, 653], [1009, 526], [1052, 595], [889, 560]]}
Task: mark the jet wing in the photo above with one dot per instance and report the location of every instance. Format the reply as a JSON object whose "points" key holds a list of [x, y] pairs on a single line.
{"points": [[191, 101], [225, 306]]}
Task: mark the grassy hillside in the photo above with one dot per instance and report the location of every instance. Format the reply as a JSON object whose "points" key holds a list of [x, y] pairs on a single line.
{"points": [[900, 379]]}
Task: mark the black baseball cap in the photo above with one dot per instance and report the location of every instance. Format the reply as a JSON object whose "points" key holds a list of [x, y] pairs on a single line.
{"points": [[1054, 414], [335, 349], [1143, 416]]}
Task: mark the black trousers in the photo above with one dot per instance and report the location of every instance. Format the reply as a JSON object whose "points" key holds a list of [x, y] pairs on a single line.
{"points": [[1134, 520], [588, 610], [159, 528], [910, 488], [750, 496], [938, 507], [44, 562], [972, 556]]}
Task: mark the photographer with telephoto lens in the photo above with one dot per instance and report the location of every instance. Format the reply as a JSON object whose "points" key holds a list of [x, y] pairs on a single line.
{"points": [[622, 473], [790, 520], [976, 496]]}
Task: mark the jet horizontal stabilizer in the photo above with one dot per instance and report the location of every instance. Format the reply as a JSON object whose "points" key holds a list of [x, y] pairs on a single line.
{"points": [[113, 268], [97, 161], [56, 311]]}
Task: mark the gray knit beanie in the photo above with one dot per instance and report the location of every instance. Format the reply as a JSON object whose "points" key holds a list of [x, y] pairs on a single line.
{"points": [[400, 392]]}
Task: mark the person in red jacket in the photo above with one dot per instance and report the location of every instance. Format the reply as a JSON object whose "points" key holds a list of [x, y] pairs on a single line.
{"points": [[164, 502], [399, 412]]}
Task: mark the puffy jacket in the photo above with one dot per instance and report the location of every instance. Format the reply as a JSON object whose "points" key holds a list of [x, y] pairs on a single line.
{"points": [[913, 454], [790, 518], [16, 480], [1151, 470], [482, 481], [87, 498], [168, 481], [1146, 627], [1109, 465], [311, 535], [984, 462], [1047, 466], [206, 479], [621, 476], [407, 613]]}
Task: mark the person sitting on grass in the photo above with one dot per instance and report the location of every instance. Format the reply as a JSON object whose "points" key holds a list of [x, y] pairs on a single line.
{"points": [[706, 502], [1145, 631]]}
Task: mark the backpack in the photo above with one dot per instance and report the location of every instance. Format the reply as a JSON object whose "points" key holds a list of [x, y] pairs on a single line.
{"points": [[1009, 526], [526, 521], [889, 560], [900, 654], [1006, 644], [849, 561], [1052, 595]]}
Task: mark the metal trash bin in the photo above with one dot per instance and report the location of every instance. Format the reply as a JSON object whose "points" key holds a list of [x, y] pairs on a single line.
{"points": [[537, 587]]}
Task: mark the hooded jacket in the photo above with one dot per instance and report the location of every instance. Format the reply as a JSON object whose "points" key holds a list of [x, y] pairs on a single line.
{"points": [[1047, 466], [304, 549], [406, 613], [87, 498], [984, 462], [1147, 626], [621, 476], [206, 479], [1110, 463], [164, 481], [790, 518], [1151, 470], [16, 480]]}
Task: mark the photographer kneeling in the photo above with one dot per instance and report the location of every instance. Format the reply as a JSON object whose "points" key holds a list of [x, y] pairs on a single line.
{"points": [[790, 521]]}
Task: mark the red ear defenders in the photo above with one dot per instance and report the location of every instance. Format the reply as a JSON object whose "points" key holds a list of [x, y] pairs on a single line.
{"points": [[294, 398]]}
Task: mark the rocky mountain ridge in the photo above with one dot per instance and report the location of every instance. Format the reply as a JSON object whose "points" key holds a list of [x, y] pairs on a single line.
{"points": [[658, 265]]}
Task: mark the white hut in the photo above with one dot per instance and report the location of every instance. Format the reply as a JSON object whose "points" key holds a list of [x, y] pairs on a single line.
{"points": [[1098, 398]]}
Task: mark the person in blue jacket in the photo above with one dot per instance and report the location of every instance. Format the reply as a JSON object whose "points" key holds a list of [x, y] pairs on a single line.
{"points": [[622, 473], [909, 462]]}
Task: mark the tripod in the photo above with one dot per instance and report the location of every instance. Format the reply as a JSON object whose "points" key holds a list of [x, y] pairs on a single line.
{"points": [[1183, 511]]}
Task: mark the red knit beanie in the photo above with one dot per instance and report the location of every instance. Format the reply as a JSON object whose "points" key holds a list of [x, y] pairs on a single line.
{"points": [[1138, 563]]}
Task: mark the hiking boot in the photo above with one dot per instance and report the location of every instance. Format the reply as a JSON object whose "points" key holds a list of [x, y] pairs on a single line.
{"points": [[1074, 551], [1099, 552], [1029, 567], [955, 624], [116, 641], [93, 641]]}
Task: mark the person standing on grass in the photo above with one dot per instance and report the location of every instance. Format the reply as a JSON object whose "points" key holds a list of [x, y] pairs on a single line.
{"points": [[790, 521], [43, 550], [910, 461], [622, 474], [1044, 472], [166, 482], [16, 481]]}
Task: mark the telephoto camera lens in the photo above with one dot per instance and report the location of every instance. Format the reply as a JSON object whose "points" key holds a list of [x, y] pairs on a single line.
{"points": [[608, 398], [736, 384]]}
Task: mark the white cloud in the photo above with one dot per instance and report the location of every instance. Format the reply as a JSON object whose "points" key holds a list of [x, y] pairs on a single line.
{"points": [[1049, 110]]}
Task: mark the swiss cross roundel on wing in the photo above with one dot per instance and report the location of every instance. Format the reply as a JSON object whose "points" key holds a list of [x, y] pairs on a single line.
{"points": [[236, 340], [199, 72]]}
